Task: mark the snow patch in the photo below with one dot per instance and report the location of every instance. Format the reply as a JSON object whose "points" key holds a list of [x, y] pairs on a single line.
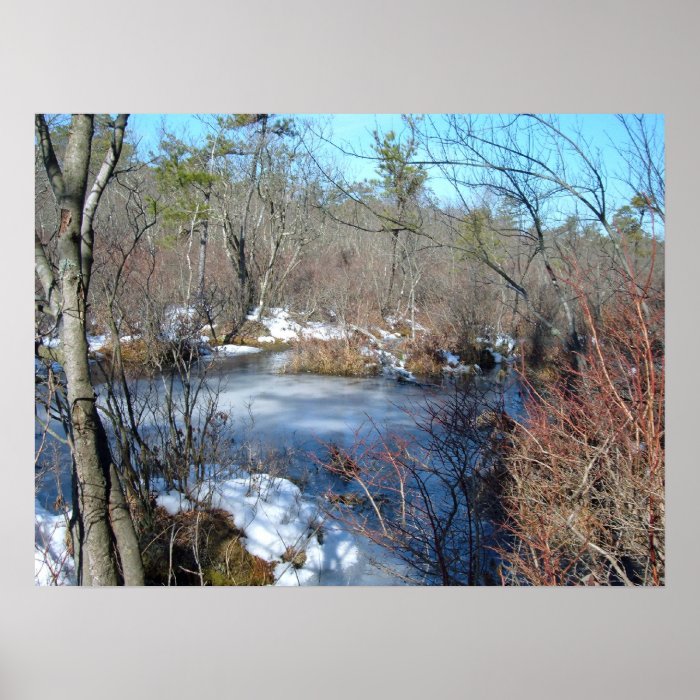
{"points": [[323, 331], [280, 325], [277, 519], [235, 350], [451, 359], [53, 566], [96, 342]]}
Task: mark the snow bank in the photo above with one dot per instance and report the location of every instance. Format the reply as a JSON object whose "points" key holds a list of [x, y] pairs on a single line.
{"points": [[175, 320], [395, 320], [499, 340], [451, 359], [278, 522], [276, 519], [393, 367], [281, 326], [323, 331], [506, 341], [386, 335]]}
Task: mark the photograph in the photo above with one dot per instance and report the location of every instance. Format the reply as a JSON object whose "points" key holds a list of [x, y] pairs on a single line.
{"points": [[327, 349], [362, 343]]}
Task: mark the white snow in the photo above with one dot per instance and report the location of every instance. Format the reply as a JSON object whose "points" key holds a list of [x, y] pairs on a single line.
{"points": [[254, 315], [53, 566], [401, 374], [451, 359], [280, 325], [394, 320], [386, 335], [235, 349], [460, 368], [393, 367], [506, 341], [175, 320], [455, 365], [323, 331], [96, 342], [173, 502], [278, 520], [499, 340]]}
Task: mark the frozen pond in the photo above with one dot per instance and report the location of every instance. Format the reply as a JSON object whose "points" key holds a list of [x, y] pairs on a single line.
{"points": [[299, 410], [285, 412], [283, 420], [298, 413]]}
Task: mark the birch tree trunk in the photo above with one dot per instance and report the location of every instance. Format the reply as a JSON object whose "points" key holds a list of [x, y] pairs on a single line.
{"points": [[105, 540]]}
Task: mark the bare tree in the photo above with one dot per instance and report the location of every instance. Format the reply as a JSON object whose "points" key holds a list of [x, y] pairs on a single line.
{"points": [[643, 154]]}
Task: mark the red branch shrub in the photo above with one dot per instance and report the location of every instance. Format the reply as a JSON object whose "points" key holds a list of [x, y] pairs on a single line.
{"points": [[584, 496]]}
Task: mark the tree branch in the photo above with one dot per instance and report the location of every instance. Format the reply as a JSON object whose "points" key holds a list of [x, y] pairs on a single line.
{"points": [[46, 277], [93, 199], [53, 169]]}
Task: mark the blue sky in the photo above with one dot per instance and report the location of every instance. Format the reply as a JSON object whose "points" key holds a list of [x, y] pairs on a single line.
{"points": [[351, 129], [353, 132]]}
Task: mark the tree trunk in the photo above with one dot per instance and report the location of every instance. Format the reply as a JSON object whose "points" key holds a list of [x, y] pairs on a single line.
{"points": [[103, 531], [203, 239]]}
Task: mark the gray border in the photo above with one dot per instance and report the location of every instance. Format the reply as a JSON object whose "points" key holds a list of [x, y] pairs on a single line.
{"points": [[361, 56]]}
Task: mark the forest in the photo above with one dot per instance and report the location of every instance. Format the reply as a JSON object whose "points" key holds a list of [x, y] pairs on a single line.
{"points": [[428, 351]]}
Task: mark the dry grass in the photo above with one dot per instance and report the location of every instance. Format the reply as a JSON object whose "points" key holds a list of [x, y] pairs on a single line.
{"points": [[424, 357], [295, 557], [331, 357], [200, 547]]}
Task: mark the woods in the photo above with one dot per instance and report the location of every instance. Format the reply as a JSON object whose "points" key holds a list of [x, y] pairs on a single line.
{"points": [[509, 266]]}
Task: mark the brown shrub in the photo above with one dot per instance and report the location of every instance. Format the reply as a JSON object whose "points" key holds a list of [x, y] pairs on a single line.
{"points": [[424, 356]]}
